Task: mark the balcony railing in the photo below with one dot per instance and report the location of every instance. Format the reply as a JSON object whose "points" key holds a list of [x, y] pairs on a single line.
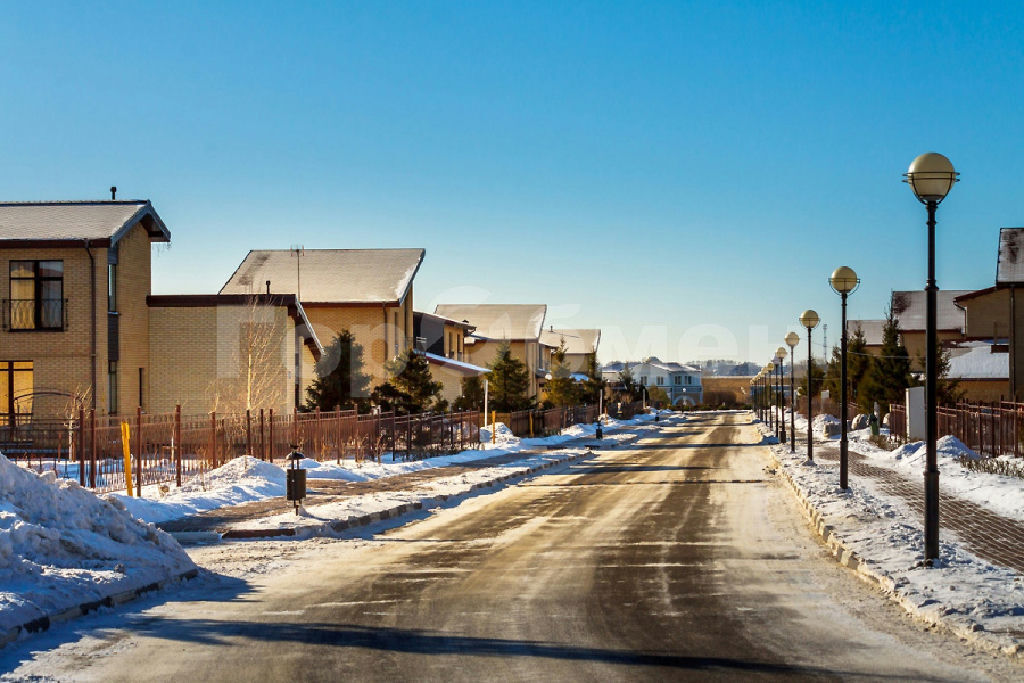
{"points": [[34, 314]]}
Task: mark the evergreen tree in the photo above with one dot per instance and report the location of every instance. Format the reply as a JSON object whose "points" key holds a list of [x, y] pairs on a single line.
{"points": [[817, 374], [410, 387], [509, 380], [947, 389], [888, 375], [339, 377], [628, 385], [858, 361], [657, 395], [591, 389], [560, 389], [472, 397]]}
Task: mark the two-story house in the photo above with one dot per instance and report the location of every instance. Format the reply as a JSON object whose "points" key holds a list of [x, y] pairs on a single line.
{"points": [[74, 323], [443, 342], [681, 382], [518, 325], [580, 346], [368, 292]]}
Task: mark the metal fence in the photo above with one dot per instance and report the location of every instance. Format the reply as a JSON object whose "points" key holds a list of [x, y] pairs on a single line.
{"points": [[552, 421], [992, 429], [174, 447]]}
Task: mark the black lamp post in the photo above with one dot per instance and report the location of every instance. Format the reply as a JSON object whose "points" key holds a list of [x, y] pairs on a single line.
{"points": [[810, 320], [780, 354], [931, 177], [844, 281], [772, 417], [792, 339]]}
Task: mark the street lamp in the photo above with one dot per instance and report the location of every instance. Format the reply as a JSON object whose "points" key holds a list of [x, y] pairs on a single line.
{"points": [[931, 177], [810, 320], [773, 423], [792, 339], [780, 353], [844, 281]]}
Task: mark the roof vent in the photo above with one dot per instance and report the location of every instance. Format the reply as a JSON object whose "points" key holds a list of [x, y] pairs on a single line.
{"points": [[113, 191]]}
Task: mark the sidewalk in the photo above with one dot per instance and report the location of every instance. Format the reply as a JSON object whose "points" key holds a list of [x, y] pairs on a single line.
{"points": [[258, 518]]}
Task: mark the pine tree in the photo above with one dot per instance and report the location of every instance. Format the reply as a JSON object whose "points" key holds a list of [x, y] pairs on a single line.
{"points": [[339, 377], [590, 391], [888, 377], [629, 388], [410, 388], [509, 380], [858, 361], [472, 397], [560, 389]]}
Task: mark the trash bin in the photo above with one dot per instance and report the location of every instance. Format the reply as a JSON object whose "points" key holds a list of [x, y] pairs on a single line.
{"points": [[296, 480], [873, 424], [599, 433]]}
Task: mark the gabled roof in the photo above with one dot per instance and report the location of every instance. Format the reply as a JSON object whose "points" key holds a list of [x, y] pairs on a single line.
{"points": [[872, 330], [910, 309], [69, 223], [975, 295], [1010, 264], [329, 276], [499, 321], [576, 340], [461, 366], [444, 321], [978, 360]]}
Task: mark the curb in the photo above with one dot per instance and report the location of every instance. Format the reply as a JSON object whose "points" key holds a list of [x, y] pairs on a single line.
{"points": [[339, 525], [43, 623], [848, 558]]}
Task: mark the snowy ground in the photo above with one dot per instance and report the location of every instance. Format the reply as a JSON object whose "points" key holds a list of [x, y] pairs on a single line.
{"points": [[247, 479], [60, 546], [999, 493], [974, 598]]}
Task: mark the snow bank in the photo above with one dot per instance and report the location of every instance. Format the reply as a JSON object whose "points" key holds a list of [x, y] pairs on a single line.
{"points": [[61, 545]]}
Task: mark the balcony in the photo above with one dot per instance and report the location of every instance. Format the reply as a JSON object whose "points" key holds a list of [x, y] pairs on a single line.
{"points": [[19, 315]]}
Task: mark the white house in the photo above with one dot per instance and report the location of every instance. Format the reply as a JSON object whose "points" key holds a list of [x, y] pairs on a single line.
{"points": [[681, 382]]}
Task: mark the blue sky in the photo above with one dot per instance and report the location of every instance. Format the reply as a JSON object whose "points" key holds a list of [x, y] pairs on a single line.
{"points": [[683, 175]]}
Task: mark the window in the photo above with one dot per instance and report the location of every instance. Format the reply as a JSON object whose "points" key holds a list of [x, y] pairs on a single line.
{"points": [[679, 379], [689, 379], [661, 380], [112, 387], [643, 380], [15, 392], [396, 334], [112, 287], [37, 295]]}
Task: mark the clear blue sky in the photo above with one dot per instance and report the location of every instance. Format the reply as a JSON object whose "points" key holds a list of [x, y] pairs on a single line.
{"points": [[670, 172]]}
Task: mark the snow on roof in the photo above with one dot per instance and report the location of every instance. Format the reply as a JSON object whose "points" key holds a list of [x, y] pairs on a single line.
{"points": [[872, 330], [452, 363], [975, 360], [329, 275], [1010, 264], [70, 220], [499, 321], [576, 340], [910, 309]]}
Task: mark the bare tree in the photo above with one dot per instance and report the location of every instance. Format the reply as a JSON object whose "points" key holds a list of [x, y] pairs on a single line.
{"points": [[256, 375]]}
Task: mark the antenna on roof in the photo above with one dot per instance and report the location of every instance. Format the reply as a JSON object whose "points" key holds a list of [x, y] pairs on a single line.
{"points": [[297, 250], [113, 191]]}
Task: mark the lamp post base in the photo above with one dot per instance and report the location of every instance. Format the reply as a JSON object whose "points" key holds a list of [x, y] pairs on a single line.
{"points": [[931, 515]]}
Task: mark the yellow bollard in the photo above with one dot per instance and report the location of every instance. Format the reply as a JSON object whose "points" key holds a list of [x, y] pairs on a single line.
{"points": [[494, 422], [531, 423], [127, 448]]}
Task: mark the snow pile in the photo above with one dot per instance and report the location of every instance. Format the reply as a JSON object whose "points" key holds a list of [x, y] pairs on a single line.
{"points": [[60, 545], [827, 425], [503, 436], [977, 599], [947, 447]]}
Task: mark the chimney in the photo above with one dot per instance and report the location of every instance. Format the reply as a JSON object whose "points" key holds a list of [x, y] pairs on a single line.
{"points": [[268, 286], [113, 191]]}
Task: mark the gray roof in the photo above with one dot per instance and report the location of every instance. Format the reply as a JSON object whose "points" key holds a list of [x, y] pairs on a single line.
{"points": [[329, 275], [576, 340], [872, 330], [909, 306], [499, 321], [1010, 265], [76, 221]]}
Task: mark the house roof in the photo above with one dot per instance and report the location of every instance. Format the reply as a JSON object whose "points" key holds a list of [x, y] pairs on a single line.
{"points": [[910, 308], [653, 361], [1010, 263], [872, 330], [69, 223], [329, 276], [975, 360], [446, 321], [975, 294], [499, 321], [576, 340], [295, 310], [461, 366]]}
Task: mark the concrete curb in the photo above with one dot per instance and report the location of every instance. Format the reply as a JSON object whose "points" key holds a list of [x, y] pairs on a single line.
{"points": [[882, 581], [340, 525], [43, 623]]}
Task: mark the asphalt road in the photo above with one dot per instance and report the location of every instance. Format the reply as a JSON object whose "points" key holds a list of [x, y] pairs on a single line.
{"points": [[679, 558]]}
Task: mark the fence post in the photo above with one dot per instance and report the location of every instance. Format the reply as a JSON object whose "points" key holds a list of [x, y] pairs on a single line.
{"points": [[263, 437], [319, 438], [176, 444], [248, 431], [271, 435], [138, 452], [81, 446], [213, 438], [92, 448]]}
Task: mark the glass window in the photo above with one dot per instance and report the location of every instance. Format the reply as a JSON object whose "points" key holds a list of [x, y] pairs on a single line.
{"points": [[112, 387], [679, 379], [37, 295], [661, 380], [16, 387], [112, 287]]}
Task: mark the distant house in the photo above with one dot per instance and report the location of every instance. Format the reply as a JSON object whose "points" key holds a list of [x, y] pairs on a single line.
{"points": [[682, 383], [75, 323], [872, 331], [368, 292], [519, 325], [580, 346], [982, 368], [443, 342], [909, 306]]}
